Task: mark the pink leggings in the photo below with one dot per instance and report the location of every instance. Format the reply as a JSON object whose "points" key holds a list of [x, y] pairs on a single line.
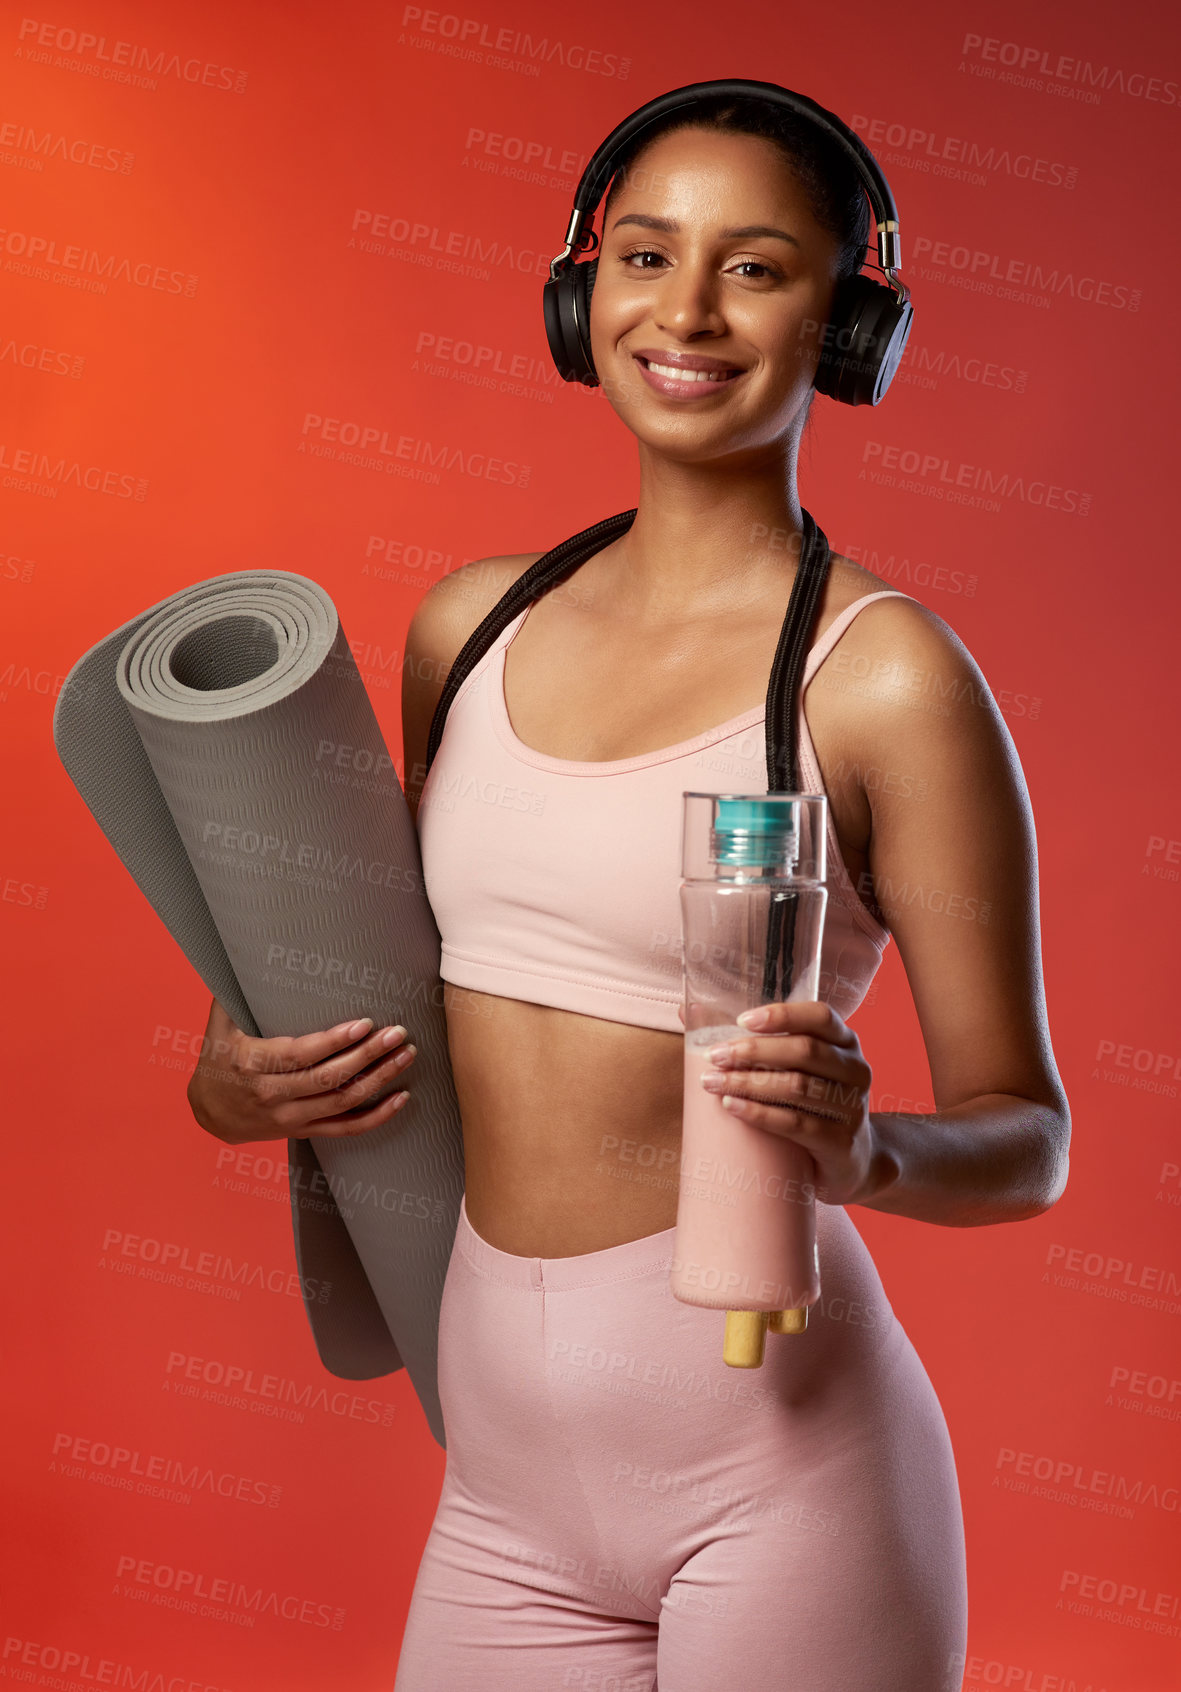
{"points": [[621, 1511]]}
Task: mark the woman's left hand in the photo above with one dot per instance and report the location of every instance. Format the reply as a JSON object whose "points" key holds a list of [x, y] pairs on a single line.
{"points": [[802, 1075]]}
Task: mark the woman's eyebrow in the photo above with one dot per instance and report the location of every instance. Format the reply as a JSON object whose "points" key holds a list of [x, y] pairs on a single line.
{"points": [[674, 228]]}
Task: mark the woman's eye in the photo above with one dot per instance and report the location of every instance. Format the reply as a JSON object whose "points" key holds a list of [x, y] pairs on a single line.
{"points": [[742, 264]]}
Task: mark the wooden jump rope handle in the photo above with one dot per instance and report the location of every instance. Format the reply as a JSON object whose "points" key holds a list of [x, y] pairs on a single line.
{"points": [[747, 1330]]}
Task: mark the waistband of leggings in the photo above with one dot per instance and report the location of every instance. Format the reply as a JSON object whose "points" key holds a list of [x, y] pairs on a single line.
{"points": [[628, 1262]]}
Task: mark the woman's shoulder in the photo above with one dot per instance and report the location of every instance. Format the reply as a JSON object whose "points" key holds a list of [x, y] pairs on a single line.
{"points": [[848, 582], [890, 607], [444, 619], [451, 610], [895, 653]]}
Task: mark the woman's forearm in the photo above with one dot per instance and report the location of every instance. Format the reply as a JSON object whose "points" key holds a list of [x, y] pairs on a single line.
{"points": [[996, 1158]]}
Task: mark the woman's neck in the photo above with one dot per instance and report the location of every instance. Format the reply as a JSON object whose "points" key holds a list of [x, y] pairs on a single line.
{"points": [[704, 540]]}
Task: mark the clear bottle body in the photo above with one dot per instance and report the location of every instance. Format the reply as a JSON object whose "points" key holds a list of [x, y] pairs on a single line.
{"points": [[746, 1219]]}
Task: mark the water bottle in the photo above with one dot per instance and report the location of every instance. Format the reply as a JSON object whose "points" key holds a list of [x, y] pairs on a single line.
{"points": [[752, 913]]}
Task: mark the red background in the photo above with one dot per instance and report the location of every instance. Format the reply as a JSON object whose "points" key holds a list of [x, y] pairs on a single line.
{"points": [[238, 194]]}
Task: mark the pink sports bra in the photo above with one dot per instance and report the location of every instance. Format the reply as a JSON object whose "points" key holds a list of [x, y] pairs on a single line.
{"points": [[528, 872]]}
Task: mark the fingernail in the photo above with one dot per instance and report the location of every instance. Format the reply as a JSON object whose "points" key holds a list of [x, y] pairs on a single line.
{"points": [[356, 1029], [755, 1018], [393, 1035]]}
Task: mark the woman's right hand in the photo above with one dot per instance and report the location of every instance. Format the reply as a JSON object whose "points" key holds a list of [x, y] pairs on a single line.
{"points": [[326, 1083]]}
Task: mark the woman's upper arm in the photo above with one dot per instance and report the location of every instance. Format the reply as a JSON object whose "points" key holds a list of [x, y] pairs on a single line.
{"points": [[953, 859], [443, 621]]}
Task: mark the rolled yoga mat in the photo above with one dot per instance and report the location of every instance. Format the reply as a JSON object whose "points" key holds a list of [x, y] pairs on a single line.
{"points": [[228, 750]]}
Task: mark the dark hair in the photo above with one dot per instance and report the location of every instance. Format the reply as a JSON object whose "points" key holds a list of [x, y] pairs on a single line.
{"points": [[832, 184]]}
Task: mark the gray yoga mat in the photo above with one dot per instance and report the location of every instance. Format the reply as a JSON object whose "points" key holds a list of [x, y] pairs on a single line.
{"points": [[227, 748]]}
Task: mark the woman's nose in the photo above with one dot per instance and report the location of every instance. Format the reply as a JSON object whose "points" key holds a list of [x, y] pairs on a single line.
{"points": [[688, 300]]}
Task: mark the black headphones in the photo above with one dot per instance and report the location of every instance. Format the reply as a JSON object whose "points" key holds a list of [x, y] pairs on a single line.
{"points": [[866, 334]]}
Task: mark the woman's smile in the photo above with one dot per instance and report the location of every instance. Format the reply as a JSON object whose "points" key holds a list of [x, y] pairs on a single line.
{"points": [[679, 383]]}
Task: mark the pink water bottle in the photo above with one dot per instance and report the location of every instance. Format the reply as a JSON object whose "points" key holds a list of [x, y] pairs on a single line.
{"points": [[752, 912]]}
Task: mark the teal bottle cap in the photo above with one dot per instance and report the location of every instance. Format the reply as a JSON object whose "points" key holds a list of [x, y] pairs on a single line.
{"points": [[750, 832], [744, 836]]}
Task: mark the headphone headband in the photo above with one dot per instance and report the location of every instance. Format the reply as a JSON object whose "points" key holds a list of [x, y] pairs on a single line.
{"points": [[602, 164], [869, 321]]}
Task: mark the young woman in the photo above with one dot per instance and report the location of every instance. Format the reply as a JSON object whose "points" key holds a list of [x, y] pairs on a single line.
{"points": [[619, 1508]]}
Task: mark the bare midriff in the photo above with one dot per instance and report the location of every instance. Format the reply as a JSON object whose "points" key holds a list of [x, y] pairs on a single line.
{"points": [[571, 1124]]}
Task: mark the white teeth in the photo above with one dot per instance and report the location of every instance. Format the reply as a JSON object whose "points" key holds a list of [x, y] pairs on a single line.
{"points": [[688, 375]]}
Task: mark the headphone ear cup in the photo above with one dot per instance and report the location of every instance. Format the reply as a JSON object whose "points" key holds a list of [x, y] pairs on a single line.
{"points": [[584, 287], [862, 342], [566, 304], [558, 318]]}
